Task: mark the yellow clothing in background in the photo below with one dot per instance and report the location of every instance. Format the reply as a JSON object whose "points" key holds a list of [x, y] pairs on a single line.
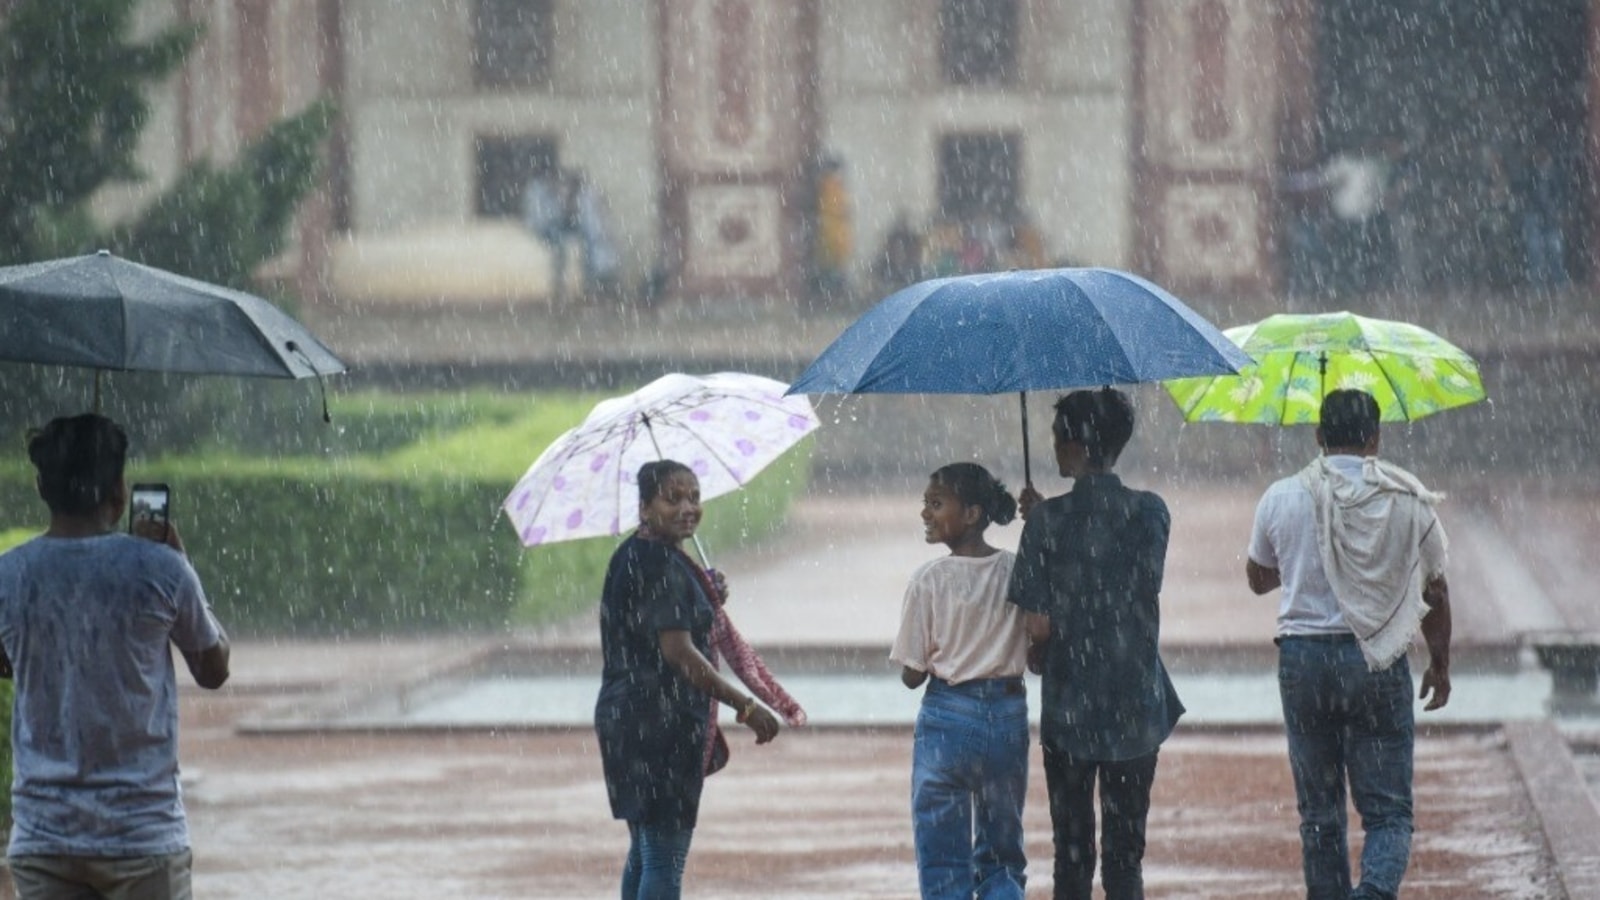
{"points": [[835, 233]]}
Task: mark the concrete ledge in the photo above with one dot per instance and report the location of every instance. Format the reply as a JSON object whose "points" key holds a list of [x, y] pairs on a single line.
{"points": [[1573, 660], [1567, 812], [489, 261]]}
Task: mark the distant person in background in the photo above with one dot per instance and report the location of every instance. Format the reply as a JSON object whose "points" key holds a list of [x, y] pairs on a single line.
{"points": [[986, 237], [835, 231], [1356, 182], [550, 211], [900, 263], [567, 212], [659, 685], [1308, 260], [959, 636], [1492, 204], [1360, 555], [602, 264], [1407, 194], [1543, 197], [88, 618], [1026, 250], [942, 247], [1088, 579]]}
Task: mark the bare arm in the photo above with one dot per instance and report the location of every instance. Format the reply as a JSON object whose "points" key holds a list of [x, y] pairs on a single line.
{"points": [[681, 654], [912, 678], [1261, 578], [1027, 499], [1037, 625], [210, 667], [1436, 633]]}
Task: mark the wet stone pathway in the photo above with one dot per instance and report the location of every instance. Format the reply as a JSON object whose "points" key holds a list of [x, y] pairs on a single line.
{"points": [[284, 805]]}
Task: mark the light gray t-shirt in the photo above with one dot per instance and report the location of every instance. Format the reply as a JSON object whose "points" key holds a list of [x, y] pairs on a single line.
{"points": [[87, 623]]}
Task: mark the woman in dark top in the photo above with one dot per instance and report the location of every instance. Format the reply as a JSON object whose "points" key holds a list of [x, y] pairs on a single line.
{"points": [[653, 716]]}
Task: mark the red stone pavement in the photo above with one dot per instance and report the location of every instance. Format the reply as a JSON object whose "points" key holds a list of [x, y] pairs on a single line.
{"points": [[823, 812]]}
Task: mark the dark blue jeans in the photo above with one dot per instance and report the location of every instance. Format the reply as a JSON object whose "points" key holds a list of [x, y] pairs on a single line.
{"points": [[656, 856], [1348, 725], [969, 779]]}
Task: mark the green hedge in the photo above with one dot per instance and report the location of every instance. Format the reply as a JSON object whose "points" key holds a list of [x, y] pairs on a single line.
{"points": [[404, 539]]}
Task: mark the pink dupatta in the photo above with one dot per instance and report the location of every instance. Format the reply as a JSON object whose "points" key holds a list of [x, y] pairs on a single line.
{"points": [[728, 644]]}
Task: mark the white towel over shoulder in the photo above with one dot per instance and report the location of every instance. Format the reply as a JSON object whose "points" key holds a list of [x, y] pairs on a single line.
{"points": [[1370, 532]]}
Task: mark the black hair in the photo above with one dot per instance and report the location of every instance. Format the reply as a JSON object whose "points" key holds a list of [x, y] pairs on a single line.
{"points": [[973, 485], [1101, 420], [1349, 418], [80, 461], [655, 473]]}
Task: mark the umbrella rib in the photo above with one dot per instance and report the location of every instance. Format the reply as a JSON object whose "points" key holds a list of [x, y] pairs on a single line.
{"points": [[693, 435], [122, 316], [1399, 398], [1288, 385]]}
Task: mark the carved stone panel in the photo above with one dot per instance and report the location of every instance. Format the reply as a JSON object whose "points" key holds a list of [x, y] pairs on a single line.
{"points": [[737, 126]]}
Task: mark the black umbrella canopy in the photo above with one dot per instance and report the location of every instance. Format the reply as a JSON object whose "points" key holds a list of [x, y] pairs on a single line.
{"points": [[103, 312]]}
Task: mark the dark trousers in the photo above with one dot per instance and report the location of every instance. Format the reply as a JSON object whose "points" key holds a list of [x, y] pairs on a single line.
{"points": [[1124, 807]]}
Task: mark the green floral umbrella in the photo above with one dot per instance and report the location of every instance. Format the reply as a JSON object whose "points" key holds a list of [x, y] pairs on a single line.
{"points": [[1411, 371]]}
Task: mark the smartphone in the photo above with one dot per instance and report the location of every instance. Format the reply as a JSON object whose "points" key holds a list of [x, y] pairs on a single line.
{"points": [[150, 503]]}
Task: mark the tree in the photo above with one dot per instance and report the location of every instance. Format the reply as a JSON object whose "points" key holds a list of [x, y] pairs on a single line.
{"points": [[72, 107], [246, 208], [73, 103]]}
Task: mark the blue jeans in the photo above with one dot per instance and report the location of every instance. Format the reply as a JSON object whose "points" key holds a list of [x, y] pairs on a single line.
{"points": [[1346, 724], [656, 855], [969, 779]]}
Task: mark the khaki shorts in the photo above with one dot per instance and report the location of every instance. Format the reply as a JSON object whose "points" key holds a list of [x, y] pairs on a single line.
{"points": [[96, 878]]}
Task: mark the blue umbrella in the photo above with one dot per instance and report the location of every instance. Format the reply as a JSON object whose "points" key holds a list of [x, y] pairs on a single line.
{"points": [[1045, 329]]}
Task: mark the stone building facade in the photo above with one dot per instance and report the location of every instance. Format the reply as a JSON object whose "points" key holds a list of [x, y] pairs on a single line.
{"points": [[1150, 135]]}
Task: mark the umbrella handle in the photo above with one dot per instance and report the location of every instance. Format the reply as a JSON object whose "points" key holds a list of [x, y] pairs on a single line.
{"points": [[293, 347], [1027, 465]]}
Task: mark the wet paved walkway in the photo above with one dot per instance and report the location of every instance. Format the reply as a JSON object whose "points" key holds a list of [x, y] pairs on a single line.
{"points": [[521, 813]]}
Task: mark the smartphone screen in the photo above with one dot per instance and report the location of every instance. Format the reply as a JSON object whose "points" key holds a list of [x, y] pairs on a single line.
{"points": [[150, 503]]}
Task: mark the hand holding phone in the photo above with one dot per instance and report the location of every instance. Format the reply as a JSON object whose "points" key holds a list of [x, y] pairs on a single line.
{"points": [[150, 511]]}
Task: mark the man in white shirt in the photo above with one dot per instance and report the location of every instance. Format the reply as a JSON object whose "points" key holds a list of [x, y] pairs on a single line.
{"points": [[1360, 555]]}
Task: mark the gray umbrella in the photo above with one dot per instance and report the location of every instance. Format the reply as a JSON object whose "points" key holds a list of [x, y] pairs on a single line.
{"points": [[106, 313]]}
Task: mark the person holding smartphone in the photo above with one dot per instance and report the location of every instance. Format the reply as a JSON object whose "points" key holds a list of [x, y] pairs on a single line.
{"points": [[96, 806]]}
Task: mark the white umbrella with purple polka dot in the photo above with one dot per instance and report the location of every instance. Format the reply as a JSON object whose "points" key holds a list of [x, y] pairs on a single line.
{"points": [[726, 427]]}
